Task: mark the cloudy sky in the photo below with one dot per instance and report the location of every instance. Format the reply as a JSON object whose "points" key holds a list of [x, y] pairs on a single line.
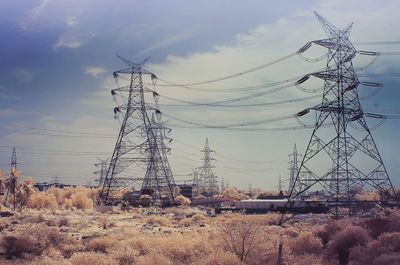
{"points": [[57, 59]]}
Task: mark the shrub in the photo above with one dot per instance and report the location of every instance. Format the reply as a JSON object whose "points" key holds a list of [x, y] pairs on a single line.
{"points": [[242, 238], [341, 243], [384, 249], [105, 222], [19, 246], [182, 200], [33, 241], [63, 221], [154, 259], [90, 258], [306, 243], [80, 200], [124, 254], [155, 220], [327, 231], [233, 193], [100, 244], [4, 223], [220, 258], [42, 200]]}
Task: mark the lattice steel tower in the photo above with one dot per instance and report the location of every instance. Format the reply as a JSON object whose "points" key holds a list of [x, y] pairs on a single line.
{"points": [[207, 179], [102, 172], [139, 155], [294, 168], [341, 156]]}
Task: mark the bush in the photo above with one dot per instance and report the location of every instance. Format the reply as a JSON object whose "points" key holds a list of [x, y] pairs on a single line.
{"points": [[220, 258], [90, 258], [19, 246], [306, 243], [242, 238], [4, 223], [63, 221], [42, 200], [124, 254], [80, 200], [155, 220], [153, 259], [182, 200], [342, 242], [33, 241], [384, 249], [100, 244], [105, 222]]}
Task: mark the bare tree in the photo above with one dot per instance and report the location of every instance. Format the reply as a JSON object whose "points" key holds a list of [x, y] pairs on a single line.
{"points": [[242, 237]]}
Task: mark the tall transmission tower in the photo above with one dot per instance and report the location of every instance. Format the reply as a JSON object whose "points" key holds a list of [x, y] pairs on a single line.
{"points": [[294, 168], [222, 189], [14, 159], [207, 179], [341, 156], [102, 172], [12, 181], [139, 156]]}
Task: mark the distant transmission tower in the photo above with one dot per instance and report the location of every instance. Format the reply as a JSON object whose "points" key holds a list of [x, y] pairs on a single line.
{"points": [[14, 159], [294, 168], [140, 153], [207, 179], [222, 189], [102, 172], [12, 181], [341, 156]]}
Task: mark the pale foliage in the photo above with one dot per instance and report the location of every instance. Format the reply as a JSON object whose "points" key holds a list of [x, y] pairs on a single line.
{"points": [[91, 258], [233, 193], [182, 200]]}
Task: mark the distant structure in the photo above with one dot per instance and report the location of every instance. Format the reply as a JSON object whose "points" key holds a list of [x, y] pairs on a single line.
{"points": [[139, 156], [14, 159], [294, 168], [102, 172], [341, 156], [280, 184], [222, 189], [208, 184], [12, 181]]}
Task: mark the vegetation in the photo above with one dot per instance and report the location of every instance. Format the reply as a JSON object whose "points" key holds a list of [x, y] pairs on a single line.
{"points": [[61, 226]]}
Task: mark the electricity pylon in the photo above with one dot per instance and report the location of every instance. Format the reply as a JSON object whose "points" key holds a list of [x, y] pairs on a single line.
{"points": [[294, 168], [207, 179], [12, 180], [341, 156], [102, 172], [139, 155]]}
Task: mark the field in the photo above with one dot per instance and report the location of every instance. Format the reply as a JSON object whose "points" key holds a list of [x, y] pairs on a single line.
{"points": [[63, 227]]}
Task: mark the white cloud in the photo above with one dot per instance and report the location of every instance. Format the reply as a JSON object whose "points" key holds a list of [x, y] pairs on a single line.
{"points": [[71, 21], [23, 75], [70, 42], [94, 70], [34, 14], [164, 43]]}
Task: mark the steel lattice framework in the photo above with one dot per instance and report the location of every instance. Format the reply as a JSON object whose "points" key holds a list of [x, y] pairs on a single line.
{"points": [[139, 155], [341, 156], [208, 183], [294, 168]]}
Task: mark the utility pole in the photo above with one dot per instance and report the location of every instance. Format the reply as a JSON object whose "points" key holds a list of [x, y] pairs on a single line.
{"points": [[139, 156], [341, 155]]}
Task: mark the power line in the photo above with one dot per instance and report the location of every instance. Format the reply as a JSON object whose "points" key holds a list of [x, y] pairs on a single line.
{"points": [[232, 75]]}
